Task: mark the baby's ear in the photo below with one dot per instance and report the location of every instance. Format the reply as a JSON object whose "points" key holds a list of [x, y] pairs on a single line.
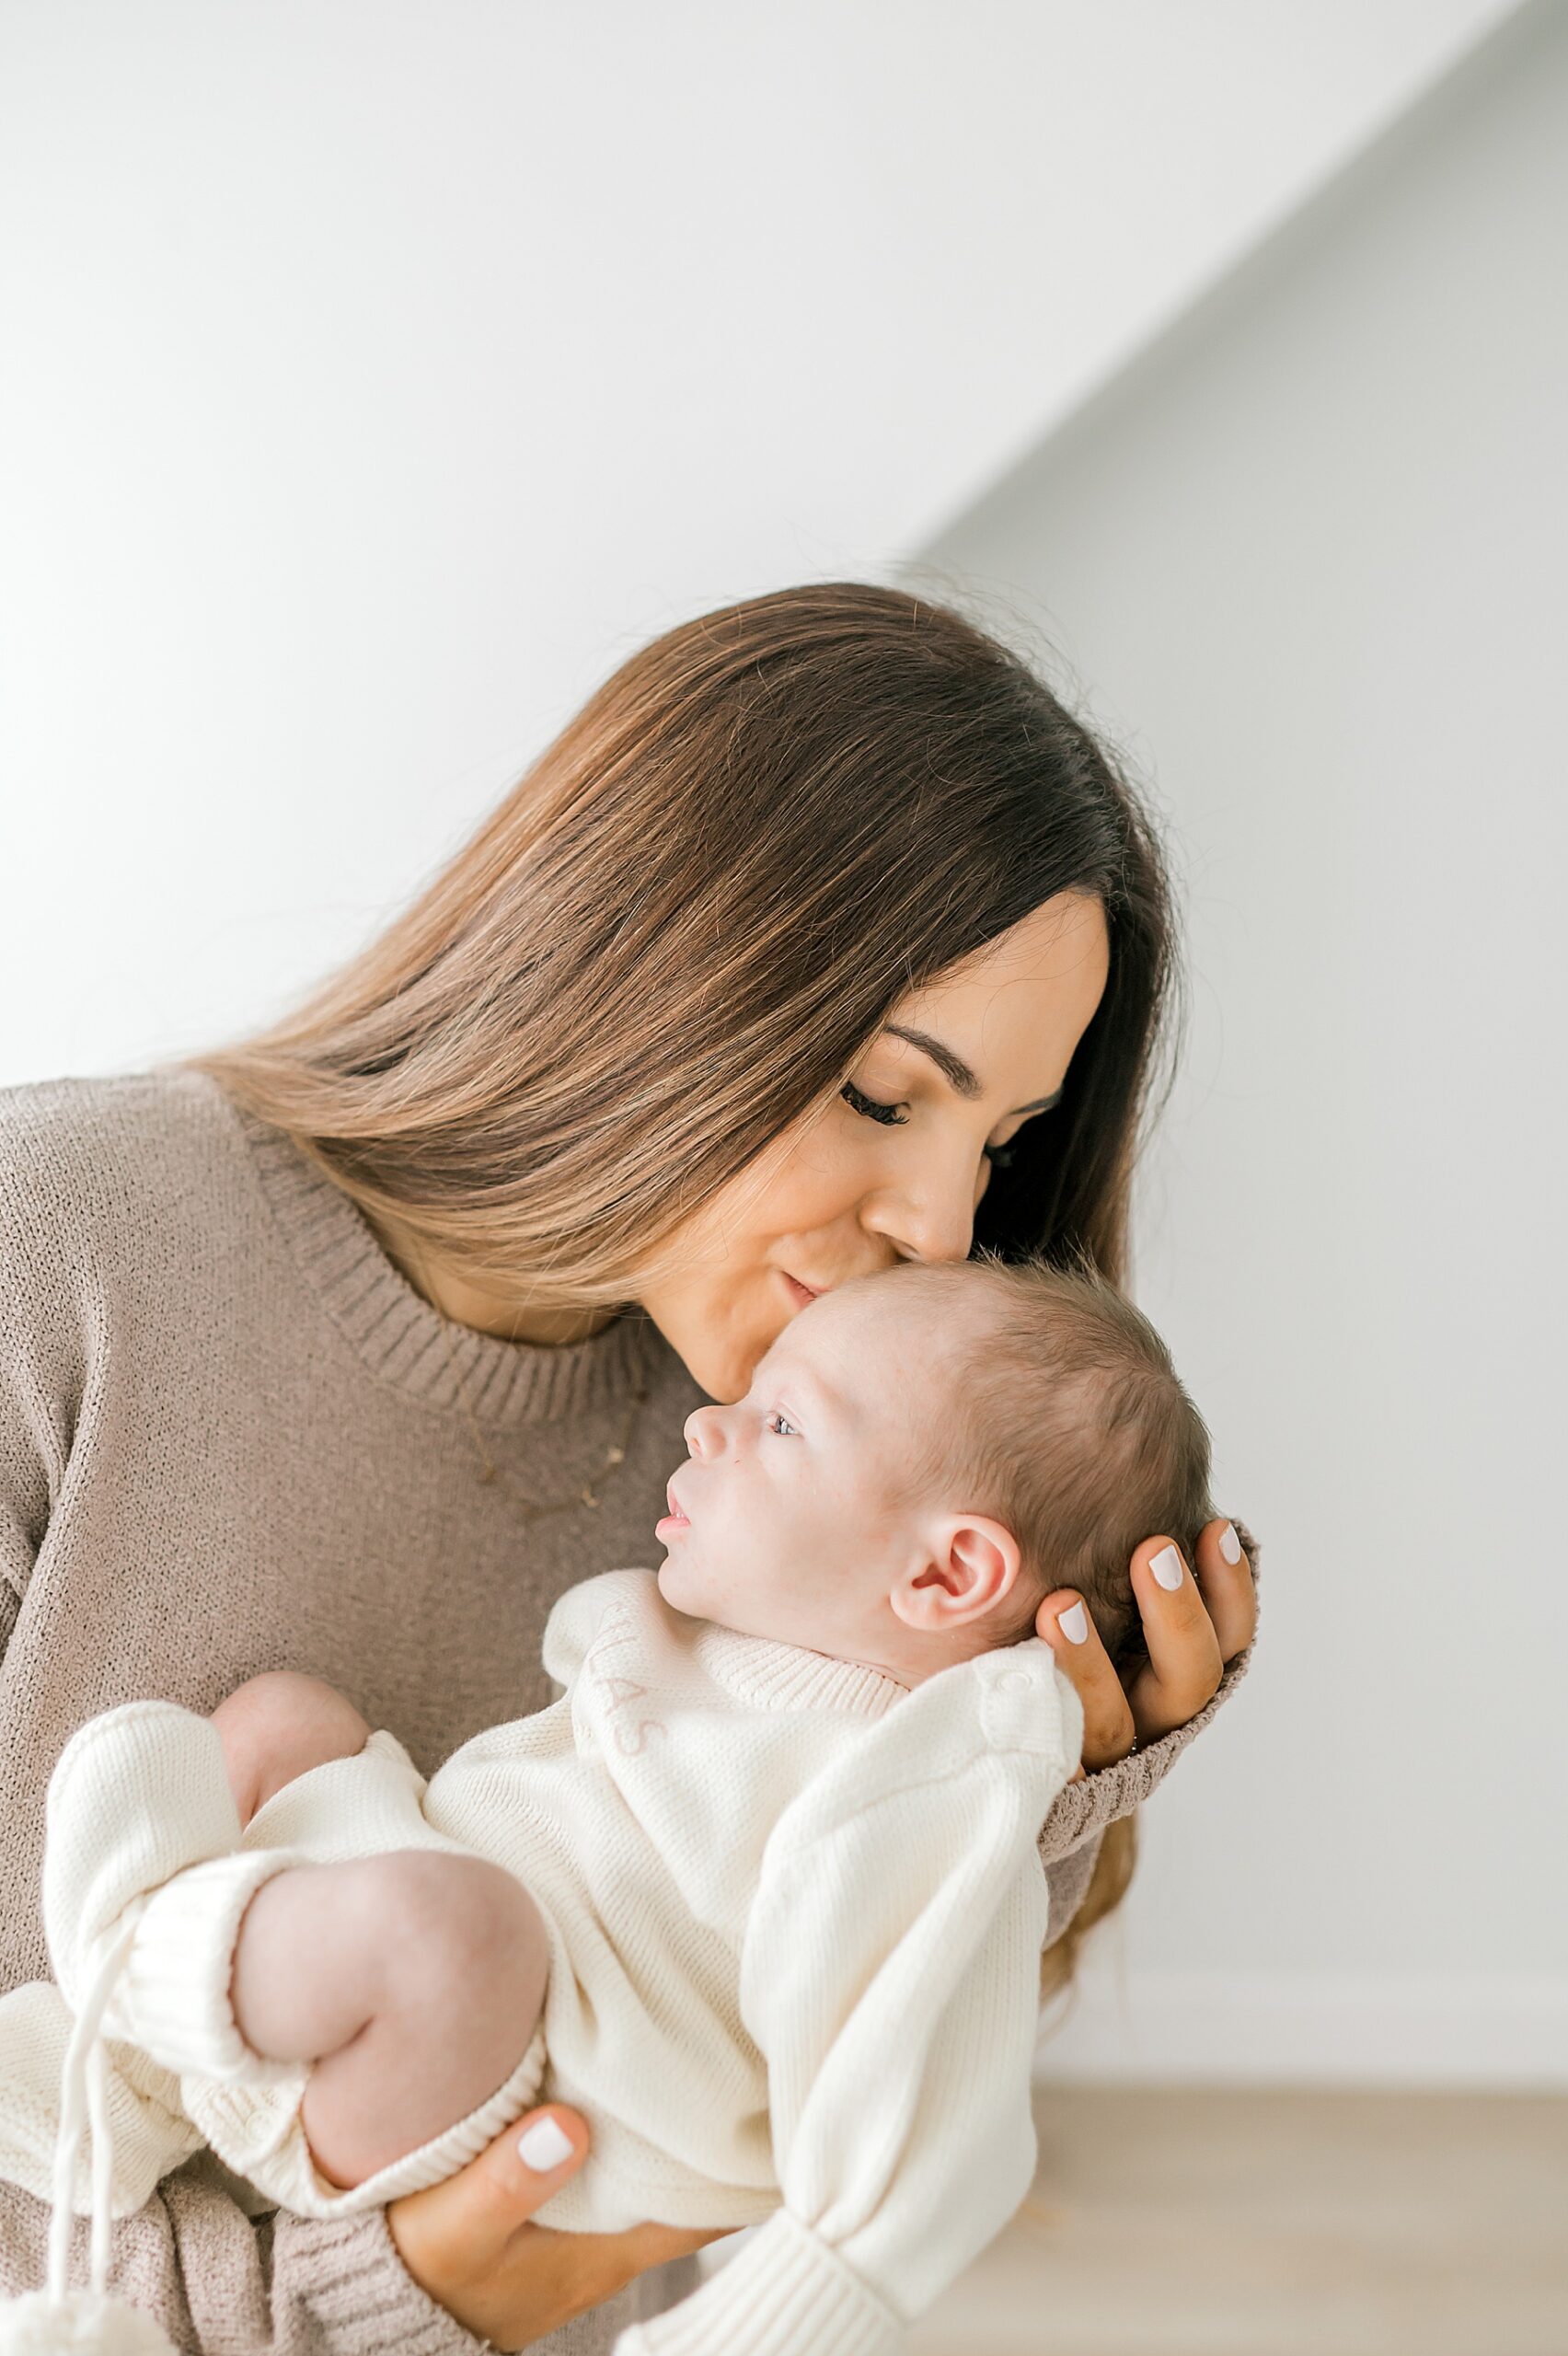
{"points": [[968, 1567]]}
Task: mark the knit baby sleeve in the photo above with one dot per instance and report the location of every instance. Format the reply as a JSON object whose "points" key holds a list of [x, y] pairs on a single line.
{"points": [[890, 1977]]}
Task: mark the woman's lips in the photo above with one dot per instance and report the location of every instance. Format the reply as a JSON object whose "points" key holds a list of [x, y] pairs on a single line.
{"points": [[800, 1293]]}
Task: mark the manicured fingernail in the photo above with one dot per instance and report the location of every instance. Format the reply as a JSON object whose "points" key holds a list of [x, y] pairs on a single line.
{"points": [[1167, 1567], [1229, 1544], [1074, 1623], [544, 2146]]}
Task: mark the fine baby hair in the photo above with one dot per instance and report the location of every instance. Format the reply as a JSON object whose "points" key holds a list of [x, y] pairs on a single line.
{"points": [[1070, 1427]]}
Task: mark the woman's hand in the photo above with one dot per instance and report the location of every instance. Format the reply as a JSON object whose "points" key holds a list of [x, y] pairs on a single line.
{"points": [[1191, 1627], [469, 2243]]}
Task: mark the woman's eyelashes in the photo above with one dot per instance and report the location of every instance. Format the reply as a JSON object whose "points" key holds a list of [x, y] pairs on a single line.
{"points": [[894, 1116]]}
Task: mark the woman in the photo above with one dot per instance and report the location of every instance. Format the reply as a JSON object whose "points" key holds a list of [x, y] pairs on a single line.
{"points": [[821, 939]]}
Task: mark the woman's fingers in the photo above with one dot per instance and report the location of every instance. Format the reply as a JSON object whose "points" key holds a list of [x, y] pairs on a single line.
{"points": [[469, 2242], [1184, 1664], [1064, 1622], [1225, 1580], [526, 2163]]}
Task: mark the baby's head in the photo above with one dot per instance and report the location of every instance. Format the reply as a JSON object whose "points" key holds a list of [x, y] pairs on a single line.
{"points": [[923, 1455]]}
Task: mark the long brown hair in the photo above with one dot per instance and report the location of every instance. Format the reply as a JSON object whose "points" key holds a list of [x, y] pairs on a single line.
{"points": [[682, 926]]}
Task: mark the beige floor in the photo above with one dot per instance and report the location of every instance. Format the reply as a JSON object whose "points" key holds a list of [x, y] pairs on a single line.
{"points": [[1184, 2223]]}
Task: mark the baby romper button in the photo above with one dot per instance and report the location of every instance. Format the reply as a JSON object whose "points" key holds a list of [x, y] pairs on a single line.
{"points": [[1021, 1710]]}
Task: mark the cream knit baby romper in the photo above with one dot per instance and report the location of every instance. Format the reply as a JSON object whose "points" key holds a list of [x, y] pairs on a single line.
{"points": [[794, 1910]]}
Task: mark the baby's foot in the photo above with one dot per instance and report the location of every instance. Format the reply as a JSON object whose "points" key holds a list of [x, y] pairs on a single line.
{"points": [[136, 1794]]}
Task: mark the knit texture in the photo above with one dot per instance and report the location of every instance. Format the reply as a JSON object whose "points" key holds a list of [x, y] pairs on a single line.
{"points": [[786, 2289], [232, 1438], [770, 1880]]}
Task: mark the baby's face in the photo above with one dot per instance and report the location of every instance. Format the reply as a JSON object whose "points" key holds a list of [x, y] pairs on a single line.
{"points": [[795, 1516]]}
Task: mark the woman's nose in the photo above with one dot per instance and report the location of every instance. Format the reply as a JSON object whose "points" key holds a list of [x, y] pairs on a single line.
{"points": [[932, 1221]]}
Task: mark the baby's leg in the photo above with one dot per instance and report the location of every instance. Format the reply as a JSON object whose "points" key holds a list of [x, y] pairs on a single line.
{"points": [[279, 1725], [413, 1981]]}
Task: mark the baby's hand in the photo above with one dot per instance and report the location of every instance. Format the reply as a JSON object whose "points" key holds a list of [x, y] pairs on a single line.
{"points": [[279, 1725], [1193, 1629]]}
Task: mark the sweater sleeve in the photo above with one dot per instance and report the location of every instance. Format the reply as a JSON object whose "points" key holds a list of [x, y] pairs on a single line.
{"points": [[40, 1382], [894, 1947]]}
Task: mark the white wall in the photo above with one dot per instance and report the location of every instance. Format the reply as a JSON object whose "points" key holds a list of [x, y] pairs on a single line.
{"points": [[1310, 555], [378, 372]]}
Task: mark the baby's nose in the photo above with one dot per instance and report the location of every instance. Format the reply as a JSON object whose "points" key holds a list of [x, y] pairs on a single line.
{"points": [[699, 1438]]}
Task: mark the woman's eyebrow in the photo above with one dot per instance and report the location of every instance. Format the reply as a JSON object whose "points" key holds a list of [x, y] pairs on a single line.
{"points": [[956, 1071]]}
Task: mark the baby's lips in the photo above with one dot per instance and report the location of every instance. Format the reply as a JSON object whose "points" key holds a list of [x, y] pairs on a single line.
{"points": [[677, 1512]]}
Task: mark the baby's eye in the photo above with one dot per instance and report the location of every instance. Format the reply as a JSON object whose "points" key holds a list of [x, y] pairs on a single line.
{"points": [[777, 1418]]}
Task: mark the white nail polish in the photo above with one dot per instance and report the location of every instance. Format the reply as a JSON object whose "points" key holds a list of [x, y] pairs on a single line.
{"points": [[544, 2147], [1167, 1568], [1074, 1623], [1229, 1544]]}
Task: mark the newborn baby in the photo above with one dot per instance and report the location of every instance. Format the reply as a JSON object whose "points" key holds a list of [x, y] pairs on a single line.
{"points": [[759, 1894]]}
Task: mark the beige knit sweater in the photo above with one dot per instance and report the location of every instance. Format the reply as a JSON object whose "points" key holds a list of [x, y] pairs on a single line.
{"points": [[232, 1438]]}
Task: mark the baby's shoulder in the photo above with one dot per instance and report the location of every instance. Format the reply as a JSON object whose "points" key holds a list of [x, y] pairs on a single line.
{"points": [[628, 1589], [620, 1604]]}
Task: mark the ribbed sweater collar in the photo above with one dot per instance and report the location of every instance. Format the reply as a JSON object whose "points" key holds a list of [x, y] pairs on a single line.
{"points": [[402, 1341], [773, 1676]]}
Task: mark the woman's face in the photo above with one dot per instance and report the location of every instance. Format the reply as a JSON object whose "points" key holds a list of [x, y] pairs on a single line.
{"points": [[895, 1167]]}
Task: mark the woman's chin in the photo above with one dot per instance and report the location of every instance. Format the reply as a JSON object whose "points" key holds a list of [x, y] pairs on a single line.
{"points": [[721, 1366]]}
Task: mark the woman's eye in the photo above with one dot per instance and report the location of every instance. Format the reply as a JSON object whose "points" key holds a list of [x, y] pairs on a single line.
{"points": [[1000, 1157], [776, 1418], [889, 1114]]}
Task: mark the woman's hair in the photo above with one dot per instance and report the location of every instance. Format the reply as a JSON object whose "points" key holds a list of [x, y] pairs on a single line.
{"points": [[685, 924], [1068, 1424]]}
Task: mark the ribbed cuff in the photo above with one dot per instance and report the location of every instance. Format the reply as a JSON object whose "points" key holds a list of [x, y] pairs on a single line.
{"points": [[342, 2289], [172, 1998], [786, 2293], [359, 2297]]}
